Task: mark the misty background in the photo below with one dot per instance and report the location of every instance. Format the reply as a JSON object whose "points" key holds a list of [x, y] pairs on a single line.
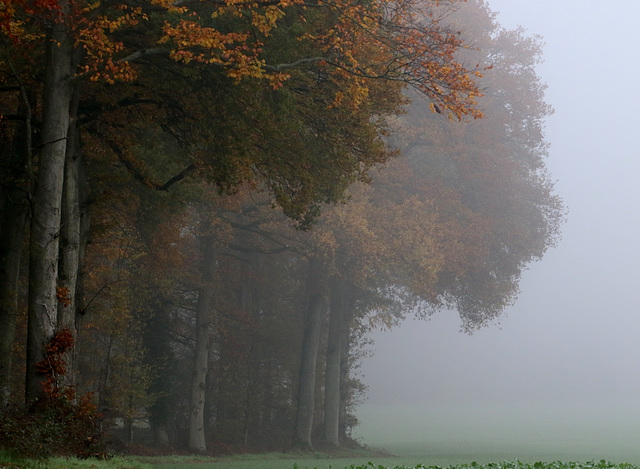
{"points": [[560, 371]]}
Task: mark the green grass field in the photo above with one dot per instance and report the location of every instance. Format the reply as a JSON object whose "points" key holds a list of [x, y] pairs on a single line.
{"points": [[450, 438], [377, 463], [532, 432], [443, 455]]}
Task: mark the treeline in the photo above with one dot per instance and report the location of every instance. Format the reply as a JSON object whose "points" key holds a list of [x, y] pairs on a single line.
{"points": [[219, 200]]}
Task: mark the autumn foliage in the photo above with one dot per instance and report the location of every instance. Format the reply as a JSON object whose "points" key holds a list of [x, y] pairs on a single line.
{"points": [[209, 156], [62, 424], [53, 367]]}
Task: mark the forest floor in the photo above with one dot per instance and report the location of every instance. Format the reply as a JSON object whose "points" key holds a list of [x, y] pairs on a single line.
{"points": [[250, 459], [274, 460]]}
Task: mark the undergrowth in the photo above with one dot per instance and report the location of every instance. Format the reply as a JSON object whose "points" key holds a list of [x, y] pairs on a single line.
{"points": [[9, 461], [59, 423]]}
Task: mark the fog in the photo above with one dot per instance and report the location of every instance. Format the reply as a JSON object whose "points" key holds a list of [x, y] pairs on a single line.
{"points": [[563, 361]]}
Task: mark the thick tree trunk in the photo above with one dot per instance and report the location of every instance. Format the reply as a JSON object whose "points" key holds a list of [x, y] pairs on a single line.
{"points": [[332, 372], [316, 309], [71, 240], [45, 221], [197, 440]]}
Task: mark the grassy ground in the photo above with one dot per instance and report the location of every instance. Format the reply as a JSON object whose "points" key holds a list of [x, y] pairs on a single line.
{"points": [[443, 454], [447, 437], [533, 432], [357, 460], [8, 461], [291, 460], [261, 462]]}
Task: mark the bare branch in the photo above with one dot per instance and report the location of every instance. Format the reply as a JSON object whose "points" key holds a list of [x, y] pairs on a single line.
{"points": [[277, 68], [131, 167], [144, 53]]}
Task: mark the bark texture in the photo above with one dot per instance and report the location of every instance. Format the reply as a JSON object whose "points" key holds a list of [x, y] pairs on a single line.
{"points": [[72, 240], [197, 441], [45, 221]]}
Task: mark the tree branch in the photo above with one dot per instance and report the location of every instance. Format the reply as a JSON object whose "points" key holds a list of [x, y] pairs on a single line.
{"points": [[178, 177], [144, 53], [130, 166], [277, 68], [236, 247]]}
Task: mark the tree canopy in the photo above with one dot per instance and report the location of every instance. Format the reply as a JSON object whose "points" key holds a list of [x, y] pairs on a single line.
{"points": [[224, 197]]}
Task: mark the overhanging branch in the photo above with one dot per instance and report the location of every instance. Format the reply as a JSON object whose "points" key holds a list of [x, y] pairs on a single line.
{"points": [[280, 67], [132, 168]]}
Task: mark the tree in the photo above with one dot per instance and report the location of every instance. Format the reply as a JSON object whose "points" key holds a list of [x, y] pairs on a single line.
{"points": [[454, 223], [316, 309], [515, 220], [45, 220], [103, 42], [334, 361], [284, 105], [197, 440], [74, 224], [14, 204]]}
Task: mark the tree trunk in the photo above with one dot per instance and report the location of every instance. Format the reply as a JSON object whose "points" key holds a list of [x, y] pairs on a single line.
{"points": [[316, 309], [197, 440], [159, 355], [45, 221], [15, 215], [14, 223], [105, 375], [71, 239], [128, 426], [345, 336], [332, 372], [161, 436], [245, 303]]}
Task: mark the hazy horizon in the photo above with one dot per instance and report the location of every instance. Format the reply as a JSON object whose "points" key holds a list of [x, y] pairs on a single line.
{"points": [[567, 351]]}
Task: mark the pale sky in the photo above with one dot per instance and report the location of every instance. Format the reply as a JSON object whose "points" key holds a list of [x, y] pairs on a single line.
{"points": [[574, 335]]}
